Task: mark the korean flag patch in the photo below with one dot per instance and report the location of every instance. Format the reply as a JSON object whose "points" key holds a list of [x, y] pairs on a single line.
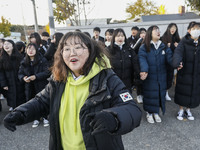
{"points": [[126, 96]]}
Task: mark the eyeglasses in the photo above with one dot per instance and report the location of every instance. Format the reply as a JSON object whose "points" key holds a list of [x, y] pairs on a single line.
{"points": [[77, 50]]}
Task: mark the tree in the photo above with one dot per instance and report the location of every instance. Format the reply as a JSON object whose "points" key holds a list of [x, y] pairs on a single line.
{"points": [[194, 4], [5, 27], [161, 10], [72, 10], [47, 28], [140, 8]]}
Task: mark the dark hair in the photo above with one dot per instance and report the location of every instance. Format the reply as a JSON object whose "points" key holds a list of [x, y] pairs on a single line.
{"points": [[148, 37], [110, 31], [191, 24], [58, 36], [135, 28], [77, 30], [37, 37], [20, 45], [87, 33], [36, 57], [139, 32], [167, 37], [116, 31], [60, 70], [194, 24], [45, 34], [97, 29], [2, 46], [2, 39], [5, 59]]}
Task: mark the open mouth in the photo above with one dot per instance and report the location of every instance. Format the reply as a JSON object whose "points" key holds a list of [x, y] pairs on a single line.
{"points": [[73, 60]]}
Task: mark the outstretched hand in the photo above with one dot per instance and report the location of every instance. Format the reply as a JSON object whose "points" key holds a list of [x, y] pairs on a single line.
{"points": [[12, 119], [103, 122]]}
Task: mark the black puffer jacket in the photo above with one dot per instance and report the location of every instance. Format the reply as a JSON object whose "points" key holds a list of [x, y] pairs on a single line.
{"points": [[124, 63], [15, 93], [187, 91], [104, 94], [50, 53], [40, 71]]}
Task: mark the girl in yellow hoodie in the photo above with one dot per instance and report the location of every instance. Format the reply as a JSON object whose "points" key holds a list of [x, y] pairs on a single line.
{"points": [[89, 107]]}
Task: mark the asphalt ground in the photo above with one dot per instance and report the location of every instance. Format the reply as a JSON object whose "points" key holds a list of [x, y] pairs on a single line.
{"points": [[170, 134]]}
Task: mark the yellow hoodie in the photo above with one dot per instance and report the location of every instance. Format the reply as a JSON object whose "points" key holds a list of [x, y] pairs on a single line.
{"points": [[73, 98]]}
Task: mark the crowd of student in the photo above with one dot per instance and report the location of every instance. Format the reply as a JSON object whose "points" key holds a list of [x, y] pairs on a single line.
{"points": [[149, 62], [24, 69], [146, 60], [88, 96]]}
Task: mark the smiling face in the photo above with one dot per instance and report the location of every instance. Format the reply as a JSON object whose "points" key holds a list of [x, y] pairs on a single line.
{"points": [[75, 53], [8, 47], [155, 34], [120, 38]]}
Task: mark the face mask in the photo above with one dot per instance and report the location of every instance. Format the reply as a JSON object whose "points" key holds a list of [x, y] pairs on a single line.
{"points": [[195, 33]]}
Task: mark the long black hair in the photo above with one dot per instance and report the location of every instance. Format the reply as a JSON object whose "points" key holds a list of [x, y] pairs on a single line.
{"points": [[148, 37], [139, 32], [58, 36], [115, 33], [36, 57], [167, 36], [6, 60]]}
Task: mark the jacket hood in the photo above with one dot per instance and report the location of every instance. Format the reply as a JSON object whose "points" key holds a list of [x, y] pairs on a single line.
{"points": [[94, 71]]}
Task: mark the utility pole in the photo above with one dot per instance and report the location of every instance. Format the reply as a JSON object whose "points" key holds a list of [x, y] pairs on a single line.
{"points": [[25, 34], [35, 16], [51, 18]]}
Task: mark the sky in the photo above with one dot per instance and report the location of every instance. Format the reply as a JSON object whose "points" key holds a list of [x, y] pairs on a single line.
{"points": [[21, 11]]}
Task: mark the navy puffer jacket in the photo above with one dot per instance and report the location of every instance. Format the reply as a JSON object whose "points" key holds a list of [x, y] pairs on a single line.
{"points": [[155, 85]]}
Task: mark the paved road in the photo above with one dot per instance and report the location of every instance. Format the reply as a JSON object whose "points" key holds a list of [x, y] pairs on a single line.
{"points": [[171, 134]]}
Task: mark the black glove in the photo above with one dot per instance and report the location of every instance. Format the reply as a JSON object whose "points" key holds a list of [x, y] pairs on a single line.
{"points": [[12, 119], [103, 121]]}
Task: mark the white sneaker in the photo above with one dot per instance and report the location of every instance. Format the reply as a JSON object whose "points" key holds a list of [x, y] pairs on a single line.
{"points": [[157, 117], [10, 109], [167, 97], [45, 122], [140, 99], [189, 114], [180, 114], [35, 123], [150, 118]]}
